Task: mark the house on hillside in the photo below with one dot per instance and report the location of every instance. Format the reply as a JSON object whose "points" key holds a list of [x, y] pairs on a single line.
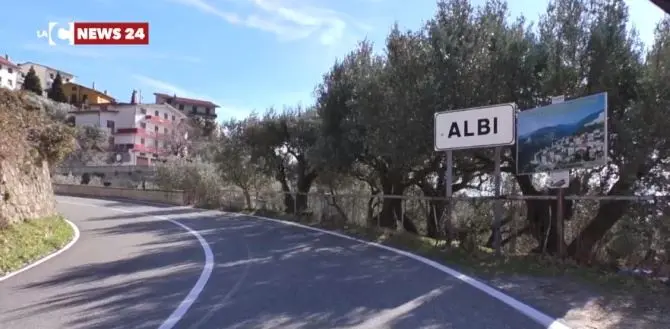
{"points": [[82, 96], [140, 134], [45, 73], [9, 74], [189, 106]]}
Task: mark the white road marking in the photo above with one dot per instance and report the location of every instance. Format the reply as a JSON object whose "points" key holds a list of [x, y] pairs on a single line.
{"points": [[74, 240], [193, 295], [527, 310], [543, 319]]}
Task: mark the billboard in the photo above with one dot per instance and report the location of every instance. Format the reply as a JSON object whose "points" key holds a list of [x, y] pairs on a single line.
{"points": [[563, 136]]}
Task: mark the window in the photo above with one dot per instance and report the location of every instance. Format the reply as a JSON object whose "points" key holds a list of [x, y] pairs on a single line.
{"points": [[142, 141], [143, 111], [67, 80], [51, 75], [165, 130], [84, 98], [156, 129], [165, 116], [173, 118], [0, 67], [110, 124], [194, 109], [156, 113], [10, 83], [207, 110], [74, 88], [143, 125], [10, 70], [181, 107]]}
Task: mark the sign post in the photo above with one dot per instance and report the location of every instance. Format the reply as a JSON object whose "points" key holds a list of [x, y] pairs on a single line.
{"points": [[490, 126], [497, 205], [555, 180]]}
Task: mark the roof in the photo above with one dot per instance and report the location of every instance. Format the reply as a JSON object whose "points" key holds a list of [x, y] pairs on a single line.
{"points": [[159, 106], [100, 93], [4, 61], [189, 101], [48, 67], [93, 111]]}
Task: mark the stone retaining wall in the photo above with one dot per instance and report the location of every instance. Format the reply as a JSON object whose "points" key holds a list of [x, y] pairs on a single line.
{"points": [[159, 196]]}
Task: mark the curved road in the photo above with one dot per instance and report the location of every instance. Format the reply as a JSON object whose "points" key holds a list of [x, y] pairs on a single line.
{"points": [[132, 268]]}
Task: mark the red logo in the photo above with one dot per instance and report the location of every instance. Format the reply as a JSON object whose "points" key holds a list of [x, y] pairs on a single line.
{"points": [[111, 33]]}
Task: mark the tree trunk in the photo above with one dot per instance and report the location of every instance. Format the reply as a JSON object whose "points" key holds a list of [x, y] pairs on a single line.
{"points": [[609, 212], [391, 205], [247, 198], [541, 217]]}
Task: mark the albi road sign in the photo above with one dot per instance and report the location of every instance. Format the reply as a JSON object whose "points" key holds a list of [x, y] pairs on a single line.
{"points": [[476, 127]]}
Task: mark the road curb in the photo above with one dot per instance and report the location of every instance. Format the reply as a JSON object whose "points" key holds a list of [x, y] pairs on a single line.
{"points": [[75, 238]]}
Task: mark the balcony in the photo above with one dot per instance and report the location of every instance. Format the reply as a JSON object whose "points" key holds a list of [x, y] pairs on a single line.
{"points": [[157, 120], [140, 132]]}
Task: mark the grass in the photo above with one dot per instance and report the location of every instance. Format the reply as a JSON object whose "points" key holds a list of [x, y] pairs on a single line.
{"points": [[483, 263], [25, 242]]}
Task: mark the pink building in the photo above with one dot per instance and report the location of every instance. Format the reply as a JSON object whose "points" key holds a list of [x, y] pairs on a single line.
{"points": [[140, 133]]}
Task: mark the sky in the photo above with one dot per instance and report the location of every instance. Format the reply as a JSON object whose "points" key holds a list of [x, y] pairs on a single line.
{"points": [[570, 112], [244, 55]]}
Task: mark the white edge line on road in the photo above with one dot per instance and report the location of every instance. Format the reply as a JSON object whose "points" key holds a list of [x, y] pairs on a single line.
{"points": [[75, 238], [543, 319], [192, 296]]}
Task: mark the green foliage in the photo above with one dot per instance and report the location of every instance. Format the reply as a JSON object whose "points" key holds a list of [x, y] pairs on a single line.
{"points": [[200, 180], [31, 82], [56, 91], [373, 116], [91, 148], [28, 131], [53, 142], [233, 158]]}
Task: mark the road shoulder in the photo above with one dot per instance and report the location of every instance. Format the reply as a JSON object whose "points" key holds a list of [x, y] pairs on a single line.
{"points": [[30, 243]]}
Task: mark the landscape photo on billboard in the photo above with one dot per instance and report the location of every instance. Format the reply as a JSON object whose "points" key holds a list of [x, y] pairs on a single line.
{"points": [[563, 136]]}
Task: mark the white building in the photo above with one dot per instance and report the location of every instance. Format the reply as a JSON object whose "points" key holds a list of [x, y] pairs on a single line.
{"points": [[9, 74], [189, 106], [45, 73], [140, 133]]}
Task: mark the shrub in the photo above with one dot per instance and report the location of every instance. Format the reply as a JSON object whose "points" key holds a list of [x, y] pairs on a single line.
{"points": [[199, 180]]}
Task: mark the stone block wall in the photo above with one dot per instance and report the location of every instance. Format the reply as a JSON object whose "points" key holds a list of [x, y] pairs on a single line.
{"points": [[25, 191]]}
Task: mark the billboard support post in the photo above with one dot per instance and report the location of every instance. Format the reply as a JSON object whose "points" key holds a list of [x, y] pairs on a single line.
{"points": [[560, 201], [497, 206]]}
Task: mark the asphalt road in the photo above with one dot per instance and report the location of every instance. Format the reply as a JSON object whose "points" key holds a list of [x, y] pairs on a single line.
{"points": [[132, 270]]}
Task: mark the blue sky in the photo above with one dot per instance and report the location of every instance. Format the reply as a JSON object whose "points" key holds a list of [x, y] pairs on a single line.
{"points": [[241, 54], [569, 112]]}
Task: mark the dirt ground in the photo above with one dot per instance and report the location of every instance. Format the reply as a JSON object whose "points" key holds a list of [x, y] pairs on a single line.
{"points": [[582, 306]]}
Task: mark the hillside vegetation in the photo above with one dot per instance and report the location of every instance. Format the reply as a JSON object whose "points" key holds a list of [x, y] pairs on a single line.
{"points": [[31, 141], [369, 133]]}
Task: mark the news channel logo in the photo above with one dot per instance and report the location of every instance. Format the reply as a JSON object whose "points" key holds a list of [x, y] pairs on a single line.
{"points": [[64, 33]]}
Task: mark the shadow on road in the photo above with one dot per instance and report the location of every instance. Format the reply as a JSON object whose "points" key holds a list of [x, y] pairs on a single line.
{"points": [[266, 275]]}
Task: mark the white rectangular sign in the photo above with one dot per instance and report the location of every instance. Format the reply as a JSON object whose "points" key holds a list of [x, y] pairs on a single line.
{"points": [[559, 179], [476, 127]]}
